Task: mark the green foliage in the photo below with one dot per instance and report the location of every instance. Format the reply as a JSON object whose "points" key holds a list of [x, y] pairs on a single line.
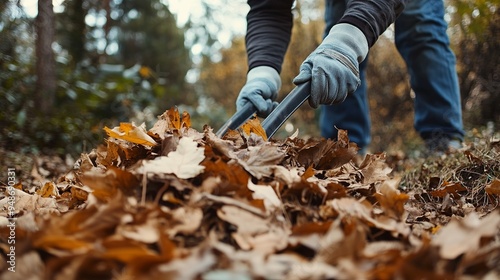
{"points": [[479, 59], [95, 88]]}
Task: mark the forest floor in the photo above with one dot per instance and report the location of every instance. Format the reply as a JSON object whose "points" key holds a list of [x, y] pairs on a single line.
{"points": [[175, 203]]}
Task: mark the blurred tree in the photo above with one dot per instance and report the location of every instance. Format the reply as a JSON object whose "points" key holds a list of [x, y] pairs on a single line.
{"points": [[149, 36], [45, 65], [478, 49], [222, 80], [72, 29]]}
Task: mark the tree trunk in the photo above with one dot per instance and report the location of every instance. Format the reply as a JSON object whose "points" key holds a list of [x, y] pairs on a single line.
{"points": [[45, 63]]}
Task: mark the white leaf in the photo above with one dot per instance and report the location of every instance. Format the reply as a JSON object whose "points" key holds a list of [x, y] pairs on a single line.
{"points": [[184, 162], [266, 193]]}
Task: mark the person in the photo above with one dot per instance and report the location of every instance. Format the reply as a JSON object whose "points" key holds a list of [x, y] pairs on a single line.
{"points": [[332, 68], [421, 39]]}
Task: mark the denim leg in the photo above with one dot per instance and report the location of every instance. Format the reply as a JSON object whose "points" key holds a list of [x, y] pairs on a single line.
{"points": [[423, 43], [352, 114]]}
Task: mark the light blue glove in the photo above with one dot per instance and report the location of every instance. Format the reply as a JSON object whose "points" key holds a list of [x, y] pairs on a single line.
{"points": [[333, 67], [261, 88]]}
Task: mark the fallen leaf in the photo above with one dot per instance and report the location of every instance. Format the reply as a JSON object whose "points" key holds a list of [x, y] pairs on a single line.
{"points": [[266, 193], [25, 202], [391, 199], [49, 189], [186, 119], [132, 133], [493, 188], [105, 185], [127, 251], [253, 125], [261, 160], [174, 117], [185, 221], [184, 162], [452, 188], [145, 233], [462, 236]]}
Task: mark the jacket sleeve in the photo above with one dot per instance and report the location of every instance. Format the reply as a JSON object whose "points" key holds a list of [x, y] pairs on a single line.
{"points": [[372, 17], [269, 28]]}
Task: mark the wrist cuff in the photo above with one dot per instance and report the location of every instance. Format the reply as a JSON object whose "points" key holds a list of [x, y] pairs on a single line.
{"points": [[267, 73], [350, 36]]}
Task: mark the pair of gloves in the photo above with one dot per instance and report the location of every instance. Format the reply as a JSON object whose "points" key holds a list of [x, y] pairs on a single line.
{"points": [[332, 68]]}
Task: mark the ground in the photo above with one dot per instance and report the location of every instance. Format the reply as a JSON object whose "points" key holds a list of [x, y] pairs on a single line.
{"points": [[177, 203]]}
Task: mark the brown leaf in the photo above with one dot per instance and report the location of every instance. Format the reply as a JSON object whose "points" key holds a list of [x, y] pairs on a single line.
{"points": [[374, 168], [391, 199], [260, 161], [452, 188], [127, 251], [174, 117], [342, 242], [62, 245], [49, 189], [105, 185], [253, 125], [364, 212], [253, 232], [493, 188], [462, 236], [186, 119]]}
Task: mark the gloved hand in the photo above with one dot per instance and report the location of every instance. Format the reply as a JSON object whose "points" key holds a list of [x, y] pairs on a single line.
{"points": [[333, 67], [261, 88]]}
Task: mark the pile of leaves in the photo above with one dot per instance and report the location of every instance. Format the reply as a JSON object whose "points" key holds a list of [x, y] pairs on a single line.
{"points": [[174, 203]]}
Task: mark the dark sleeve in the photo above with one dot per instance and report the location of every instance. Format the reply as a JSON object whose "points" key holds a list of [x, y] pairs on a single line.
{"points": [[269, 28], [372, 17]]}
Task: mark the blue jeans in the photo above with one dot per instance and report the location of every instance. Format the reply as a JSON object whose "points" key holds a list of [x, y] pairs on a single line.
{"points": [[421, 39]]}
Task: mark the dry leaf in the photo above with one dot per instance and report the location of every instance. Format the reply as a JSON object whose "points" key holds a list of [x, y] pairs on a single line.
{"points": [[146, 233], [186, 119], [49, 189], [493, 188], [391, 199], [174, 117], [261, 160], [266, 193], [185, 221], [253, 125], [25, 202], [132, 133], [105, 185], [462, 236], [184, 162], [449, 188]]}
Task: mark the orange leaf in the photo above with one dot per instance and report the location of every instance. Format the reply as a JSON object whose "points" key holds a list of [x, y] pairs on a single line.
{"points": [[48, 190], [52, 241], [186, 119], [174, 117], [493, 188], [132, 133], [449, 188], [254, 126], [127, 251]]}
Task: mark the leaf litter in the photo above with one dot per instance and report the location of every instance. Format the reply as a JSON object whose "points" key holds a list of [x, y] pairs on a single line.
{"points": [[175, 203]]}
